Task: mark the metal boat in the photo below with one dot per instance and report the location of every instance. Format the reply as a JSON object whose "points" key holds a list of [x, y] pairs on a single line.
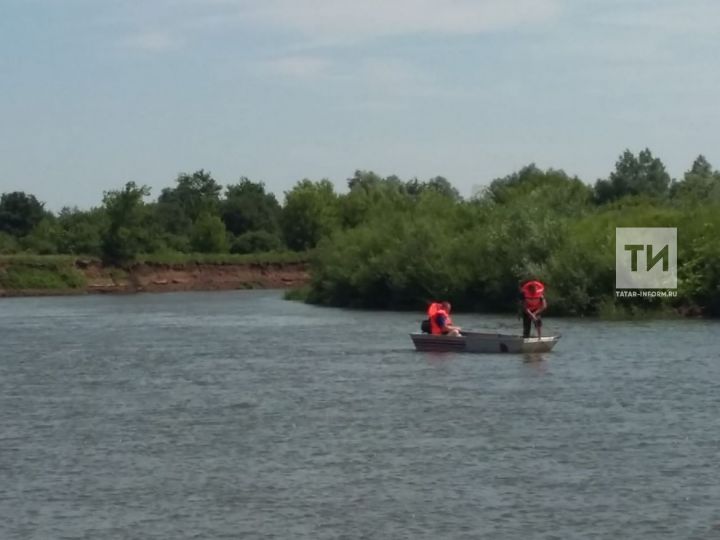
{"points": [[482, 342]]}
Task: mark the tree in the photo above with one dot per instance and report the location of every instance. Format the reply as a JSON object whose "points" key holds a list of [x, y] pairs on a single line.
{"points": [[504, 190], [8, 244], [310, 213], [699, 183], [701, 167], [80, 232], [194, 194], [531, 187], [124, 237], [247, 208], [442, 186], [438, 184], [43, 239], [641, 175], [209, 235], [171, 216], [20, 213], [370, 194], [363, 179]]}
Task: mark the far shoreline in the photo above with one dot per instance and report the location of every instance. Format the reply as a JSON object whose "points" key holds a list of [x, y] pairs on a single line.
{"points": [[68, 276], [37, 276]]}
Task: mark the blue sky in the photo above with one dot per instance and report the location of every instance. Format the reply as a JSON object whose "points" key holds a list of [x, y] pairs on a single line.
{"points": [[99, 92]]}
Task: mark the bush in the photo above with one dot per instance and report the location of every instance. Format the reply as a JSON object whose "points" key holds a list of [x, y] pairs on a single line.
{"points": [[41, 276], [8, 244], [256, 242], [208, 235]]}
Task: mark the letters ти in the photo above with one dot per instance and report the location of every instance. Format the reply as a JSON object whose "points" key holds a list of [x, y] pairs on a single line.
{"points": [[650, 260]]}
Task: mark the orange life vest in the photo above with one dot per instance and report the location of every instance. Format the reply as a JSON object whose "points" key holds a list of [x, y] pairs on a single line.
{"points": [[533, 299], [435, 328], [433, 309]]}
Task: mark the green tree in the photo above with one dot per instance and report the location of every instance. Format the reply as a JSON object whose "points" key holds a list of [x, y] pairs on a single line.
{"points": [[171, 217], [699, 258], [531, 187], [363, 179], [8, 244], [310, 213], [438, 184], [247, 207], [209, 235], [369, 195], [701, 167], [80, 232], [195, 194], [700, 183], [179, 207], [442, 186], [641, 175], [20, 213], [125, 235], [43, 239]]}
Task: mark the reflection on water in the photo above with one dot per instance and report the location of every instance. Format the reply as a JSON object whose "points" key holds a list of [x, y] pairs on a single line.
{"points": [[536, 358], [240, 415]]}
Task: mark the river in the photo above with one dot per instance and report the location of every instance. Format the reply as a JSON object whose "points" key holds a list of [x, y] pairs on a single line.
{"points": [[241, 415]]}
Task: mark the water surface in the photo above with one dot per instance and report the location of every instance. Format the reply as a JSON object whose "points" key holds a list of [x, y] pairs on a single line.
{"points": [[241, 415]]}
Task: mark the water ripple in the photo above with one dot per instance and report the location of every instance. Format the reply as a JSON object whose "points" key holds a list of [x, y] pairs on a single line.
{"points": [[240, 415]]}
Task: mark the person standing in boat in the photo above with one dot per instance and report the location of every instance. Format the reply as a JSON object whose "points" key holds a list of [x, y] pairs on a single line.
{"points": [[533, 303], [440, 321]]}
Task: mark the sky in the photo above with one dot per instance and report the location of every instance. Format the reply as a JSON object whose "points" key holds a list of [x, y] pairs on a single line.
{"points": [[95, 93]]}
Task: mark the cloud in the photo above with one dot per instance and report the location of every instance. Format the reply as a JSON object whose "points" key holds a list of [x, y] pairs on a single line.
{"points": [[302, 67], [154, 41], [382, 71], [669, 17], [350, 19], [377, 82]]}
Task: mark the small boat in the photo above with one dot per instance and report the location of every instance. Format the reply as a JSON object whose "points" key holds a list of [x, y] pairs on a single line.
{"points": [[481, 342]]}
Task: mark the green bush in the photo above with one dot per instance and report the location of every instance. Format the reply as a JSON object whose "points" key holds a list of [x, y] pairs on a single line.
{"points": [[209, 235], [256, 242], [8, 244], [40, 277]]}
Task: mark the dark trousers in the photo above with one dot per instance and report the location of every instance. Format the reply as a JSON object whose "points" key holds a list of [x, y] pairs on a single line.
{"points": [[527, 323]]}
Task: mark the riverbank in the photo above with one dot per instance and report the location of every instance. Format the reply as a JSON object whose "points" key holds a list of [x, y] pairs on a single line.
{"points": [[61, 275]]}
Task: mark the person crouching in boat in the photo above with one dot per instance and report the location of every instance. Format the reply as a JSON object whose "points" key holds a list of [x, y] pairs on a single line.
{"points": [[533, 304], [433, 308], [440, 321]]}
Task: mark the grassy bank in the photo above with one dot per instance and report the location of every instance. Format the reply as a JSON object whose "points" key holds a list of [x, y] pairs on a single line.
{"points": [[40, 273]]}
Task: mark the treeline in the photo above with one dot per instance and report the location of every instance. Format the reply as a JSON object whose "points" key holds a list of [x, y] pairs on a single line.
{"points": [[389, 243], [394, 247], [197, 215], [193, 216]]}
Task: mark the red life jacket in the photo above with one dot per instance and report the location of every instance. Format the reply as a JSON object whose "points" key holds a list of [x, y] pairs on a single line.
{"points": [[435, 328], [533, 299], [433, 309]]}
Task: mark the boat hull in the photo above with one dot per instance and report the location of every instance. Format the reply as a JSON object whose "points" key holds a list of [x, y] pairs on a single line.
{"points": [[480, 342]]}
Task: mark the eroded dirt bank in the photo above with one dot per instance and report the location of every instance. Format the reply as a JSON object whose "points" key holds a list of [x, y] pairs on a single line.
{"points": [[93, 277]]}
